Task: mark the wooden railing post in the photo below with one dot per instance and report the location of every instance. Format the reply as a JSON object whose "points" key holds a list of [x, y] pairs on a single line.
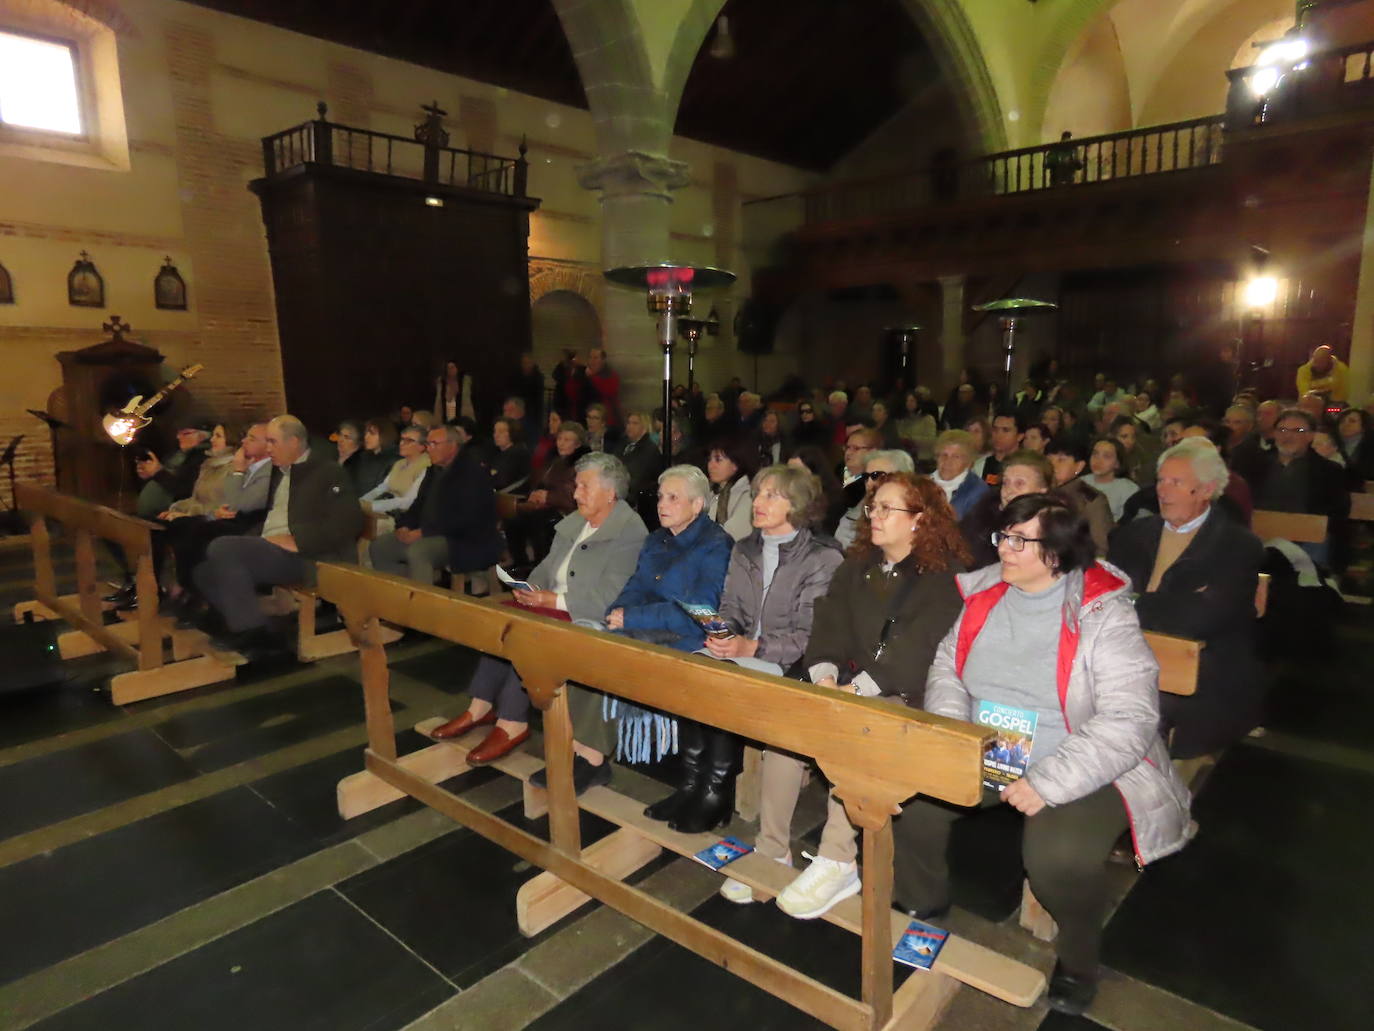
{"points": [[45, 583], [877, 921], [149, 630], [565, 830], [87, 592], [376, 676]]}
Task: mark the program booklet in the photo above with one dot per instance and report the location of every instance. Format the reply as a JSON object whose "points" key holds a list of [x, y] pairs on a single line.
{"points": [[920, 944], [511, 582], [1007, 757], [708, 617], [724, 851]]}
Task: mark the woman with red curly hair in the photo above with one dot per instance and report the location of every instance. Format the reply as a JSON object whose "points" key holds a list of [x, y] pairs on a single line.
{"points": [[875, 633]]}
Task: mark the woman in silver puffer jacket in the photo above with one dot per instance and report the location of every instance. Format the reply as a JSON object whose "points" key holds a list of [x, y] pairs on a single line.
{"points": [[1049, 643]]}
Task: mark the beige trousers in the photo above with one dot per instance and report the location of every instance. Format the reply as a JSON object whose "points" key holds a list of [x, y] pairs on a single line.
{"points": [[780, 784]]}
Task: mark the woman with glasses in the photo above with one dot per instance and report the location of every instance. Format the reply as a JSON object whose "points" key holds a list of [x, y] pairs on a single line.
{"points": [[809, 431], [776, 574], [874, 634], [551, 497], [398, 491], [1048, 649]]}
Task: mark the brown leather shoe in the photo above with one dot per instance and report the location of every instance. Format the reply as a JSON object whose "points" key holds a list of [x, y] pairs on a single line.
{"points": [[460, 726], [496, 744]]}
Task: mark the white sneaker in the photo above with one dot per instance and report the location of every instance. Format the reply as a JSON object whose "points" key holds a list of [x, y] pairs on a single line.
{"points": [[740, 893], [821, 885]]}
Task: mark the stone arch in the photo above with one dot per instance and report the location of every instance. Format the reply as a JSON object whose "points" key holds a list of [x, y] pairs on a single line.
{"points": [[562, 318], [960, 55], [548, 276]]}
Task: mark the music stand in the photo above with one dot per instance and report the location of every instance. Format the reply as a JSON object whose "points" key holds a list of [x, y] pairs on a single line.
{"points": [[11, 521], [53, 425]]}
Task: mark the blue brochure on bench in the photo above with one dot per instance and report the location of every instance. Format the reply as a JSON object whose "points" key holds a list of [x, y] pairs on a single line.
{"points": [[920, 944], [724, 851]]}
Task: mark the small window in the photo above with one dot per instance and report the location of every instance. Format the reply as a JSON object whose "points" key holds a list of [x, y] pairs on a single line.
{"points": [[38, 88]]}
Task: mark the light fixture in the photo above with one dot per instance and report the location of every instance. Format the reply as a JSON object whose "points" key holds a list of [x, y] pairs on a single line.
{"points": [[1011, 310], [723, 46], [1289, 53], [434, 202], [1260, 291]]}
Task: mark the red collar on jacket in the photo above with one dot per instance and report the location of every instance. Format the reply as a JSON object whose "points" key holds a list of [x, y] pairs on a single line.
{"points": [[1097, 581]]}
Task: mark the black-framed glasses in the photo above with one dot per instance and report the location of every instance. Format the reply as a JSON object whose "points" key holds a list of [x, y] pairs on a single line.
{"points": [[882, 510], [1015, 541]]}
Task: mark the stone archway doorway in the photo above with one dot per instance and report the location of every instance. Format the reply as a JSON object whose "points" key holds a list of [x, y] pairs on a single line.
{"points": [[562, 320]]}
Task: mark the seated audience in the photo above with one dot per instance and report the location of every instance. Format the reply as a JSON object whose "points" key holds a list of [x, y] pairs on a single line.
{"points": [[546, 447], [773, 446], [1357, 445], [955, 451], [595, 550], [397, 492], [874, 634], [1293, 479], [885, 425], [1005, 436], [509, 462], [1036, 437], [1052, 633], [1069, 459], [876, 465], [452, 522], [348, 441], [1195, 574], [917, 428], [378, 454], [311, 514], [601, 435], [980, 430], [641, 456], [1024, 472], [833, 503], [810, 430], [1140, 448], [207, 494], [1108, 466], [551, 497], [730, 467], [775, 576]]}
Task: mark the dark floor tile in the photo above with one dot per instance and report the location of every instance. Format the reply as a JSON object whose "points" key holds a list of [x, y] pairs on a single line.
{"points": [[1264, 916], [448, 669], [318, 965], [214, 738], [1332, 702], [78, 701], [64, 902], [308, 793], [53, 787], [453, 900], [1060, 1022], [665, 987]]}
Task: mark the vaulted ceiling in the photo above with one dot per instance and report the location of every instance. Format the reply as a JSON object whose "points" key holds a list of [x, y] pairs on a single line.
{"points": [[810, 78]]}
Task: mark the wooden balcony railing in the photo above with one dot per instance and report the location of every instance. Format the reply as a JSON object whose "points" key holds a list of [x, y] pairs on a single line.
{"points": [[1318, 83], [329, 143]]}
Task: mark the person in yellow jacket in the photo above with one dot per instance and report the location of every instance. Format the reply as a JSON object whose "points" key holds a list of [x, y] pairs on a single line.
{"points": [[1326, 374]]}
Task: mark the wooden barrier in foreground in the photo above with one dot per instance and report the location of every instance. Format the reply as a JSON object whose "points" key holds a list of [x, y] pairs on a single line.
{"points": [[1297, 527], [876, 756]]}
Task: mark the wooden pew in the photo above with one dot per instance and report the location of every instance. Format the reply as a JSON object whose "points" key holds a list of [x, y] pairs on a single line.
{"points": [[1362, 508], [876, 756], [1289, 526]]}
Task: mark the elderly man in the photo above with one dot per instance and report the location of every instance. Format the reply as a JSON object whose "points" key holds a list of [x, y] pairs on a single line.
{"points": [[311, 514], [594, 552], [1325, 374], [1240, 425], [1294, 478], [452, 521], [954, 454], [1196, 572]]}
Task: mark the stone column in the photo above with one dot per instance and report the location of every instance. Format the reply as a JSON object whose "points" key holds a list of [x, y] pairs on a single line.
{"points": [[636, 201], [1362, 332], [951, 331]]}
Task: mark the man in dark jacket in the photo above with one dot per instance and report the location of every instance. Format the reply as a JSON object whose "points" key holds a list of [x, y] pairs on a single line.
{"points": [[1294, 478], [312, 514], [452, 521], [1195, 572]]}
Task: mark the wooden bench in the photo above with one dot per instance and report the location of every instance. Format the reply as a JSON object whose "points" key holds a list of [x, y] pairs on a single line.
{"points": [[1297, 527], [1362, 508], [875, 755]]}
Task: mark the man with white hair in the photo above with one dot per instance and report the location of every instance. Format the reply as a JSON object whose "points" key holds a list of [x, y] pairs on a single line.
{"points": [[1195, 573]]}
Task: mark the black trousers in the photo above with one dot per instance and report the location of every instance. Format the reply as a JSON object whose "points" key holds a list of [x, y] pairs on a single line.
{"points": [[234, 569]]}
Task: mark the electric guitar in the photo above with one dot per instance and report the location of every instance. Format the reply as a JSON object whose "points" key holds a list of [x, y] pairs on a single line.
{"points": [[123, 424]]}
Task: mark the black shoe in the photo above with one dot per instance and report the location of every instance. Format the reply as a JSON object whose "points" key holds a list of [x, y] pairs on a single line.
{"points": [[692, 752], [714, 801], [256, 645], [327, 618], [124, 595], [926, 914], [1071, 993], [585, 775]]}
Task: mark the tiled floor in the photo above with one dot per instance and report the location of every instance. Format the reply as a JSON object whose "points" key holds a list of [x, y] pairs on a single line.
{"points": [[181, 864]]}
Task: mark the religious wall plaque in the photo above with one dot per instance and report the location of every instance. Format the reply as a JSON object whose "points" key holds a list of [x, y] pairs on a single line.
{"points": [[169, 289], [85, 286], [6, 286]]}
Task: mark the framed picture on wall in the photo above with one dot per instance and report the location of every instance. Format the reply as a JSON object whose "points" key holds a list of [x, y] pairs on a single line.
{"points": [[169, 289], [85, 286], [6, 286]]}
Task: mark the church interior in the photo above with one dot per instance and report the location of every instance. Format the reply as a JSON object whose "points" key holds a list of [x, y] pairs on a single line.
{"points": [[246, 208]]}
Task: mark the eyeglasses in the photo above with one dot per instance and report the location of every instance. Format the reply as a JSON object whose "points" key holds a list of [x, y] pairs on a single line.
{"points": [[435, 443], [1291, 429], [1015, 541], [882, 510], [412, 440]]}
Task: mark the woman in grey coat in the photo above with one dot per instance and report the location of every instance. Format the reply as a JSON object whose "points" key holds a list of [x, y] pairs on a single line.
{"points": [[1048, 650], [775, 576]]}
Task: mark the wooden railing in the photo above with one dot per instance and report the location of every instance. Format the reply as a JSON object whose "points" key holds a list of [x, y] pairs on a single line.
{"points": [[1318, 83], [876, 755], [322, 142]]}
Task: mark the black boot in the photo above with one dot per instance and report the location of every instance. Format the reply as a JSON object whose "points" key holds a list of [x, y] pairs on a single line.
{"points": [[691, 749], [124, 595], [714, 801]]}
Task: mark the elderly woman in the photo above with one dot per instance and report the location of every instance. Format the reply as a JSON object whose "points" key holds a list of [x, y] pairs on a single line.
{"points": [[398, 491], [775, 576], [510, 459], [348, 440], [1048, 641], [1023, 472], [730, 467], [593, 554], [955, 451], [552, 496], [874, 634], [875, 465]]}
